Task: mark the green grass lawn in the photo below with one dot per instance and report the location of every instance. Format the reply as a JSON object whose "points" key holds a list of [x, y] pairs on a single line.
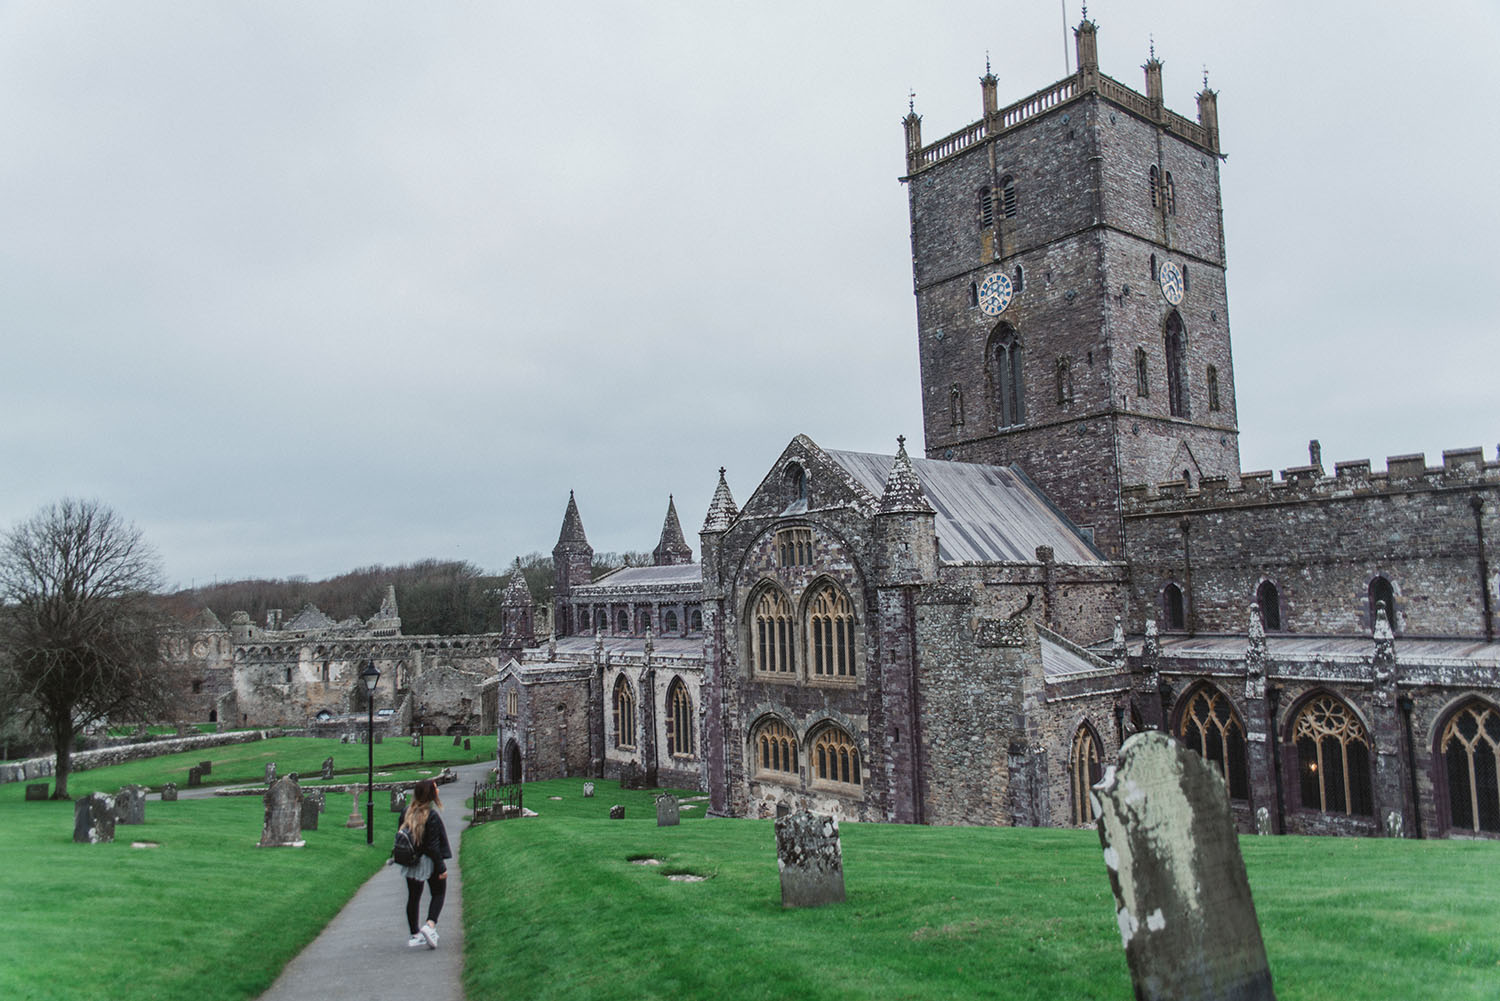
{"points": [[236, 764], [934, 912]]}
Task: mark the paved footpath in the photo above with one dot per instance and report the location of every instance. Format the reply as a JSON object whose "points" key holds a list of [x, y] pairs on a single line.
{"points": [[363, 954]]}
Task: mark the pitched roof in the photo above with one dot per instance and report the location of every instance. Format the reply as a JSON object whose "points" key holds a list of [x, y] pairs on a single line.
{"points": [[984, 514], [627, 578]]}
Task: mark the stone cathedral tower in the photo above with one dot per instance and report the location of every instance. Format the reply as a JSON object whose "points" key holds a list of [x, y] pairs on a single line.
{"points": [[1068, 256]]}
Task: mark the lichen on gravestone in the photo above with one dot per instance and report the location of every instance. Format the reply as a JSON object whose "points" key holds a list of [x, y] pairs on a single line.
{"points": [[810, 860]]}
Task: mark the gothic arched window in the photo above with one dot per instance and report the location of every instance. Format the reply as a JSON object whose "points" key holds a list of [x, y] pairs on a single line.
{"points": [[679, 719], [1173, 607], [1210, 726], [775, 748], [669, 622], [1155, 177], [1006, 377], [1213, 388], [1020, 278], [772, 644], [624, 715], [643, 621], [1269, 600], [830, 631], [1177, 400], [1470, 746], [795, 479], [622, 622], [835, 759], [1085, 769], [696, 621], [1333, 758]]}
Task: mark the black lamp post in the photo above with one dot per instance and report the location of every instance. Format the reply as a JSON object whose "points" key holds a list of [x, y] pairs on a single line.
{"points": [[371, 677]]}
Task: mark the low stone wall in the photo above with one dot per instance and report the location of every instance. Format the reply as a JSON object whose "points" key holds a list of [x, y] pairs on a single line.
{"points": [[40, 768]]}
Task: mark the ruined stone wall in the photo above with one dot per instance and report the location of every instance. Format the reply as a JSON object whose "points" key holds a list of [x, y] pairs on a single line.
{"points": [[1320, 540]]}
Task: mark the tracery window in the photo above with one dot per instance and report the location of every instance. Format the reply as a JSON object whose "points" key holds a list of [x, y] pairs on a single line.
{"points": [[1210, 726], [679, 719], [1213, 388], [1085, 769], [776, 750], [1142, 374], [794, 547], [669, 622], [1269, 600], [624, 715], [1470, 746], [696, 621], [1333, 758], [512, 703], [830, 630], [1006, 376], [1177, 401], [1173, 607], [836, 758], [771, 637]]}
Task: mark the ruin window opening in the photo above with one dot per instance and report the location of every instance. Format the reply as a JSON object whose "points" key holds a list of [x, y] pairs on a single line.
{"points": [[1333, 758], [1085, 769], [836, 759], [679, 720], [1269, 599], [323, 673], [1470, 749], [1210, 726], [1177, 400], [197, 687], [289, 676], [830, 628], [624, 715]]}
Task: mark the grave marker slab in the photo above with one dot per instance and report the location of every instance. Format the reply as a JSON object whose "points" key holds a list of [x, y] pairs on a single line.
{"points": [[315, 797], [169, 792], [36, 792], [195, 776], [588, 790], [667, 814], [617, 812], [270, 773], [94, 819], [810, 860], [310, 809], [458, 741], [283, 824], [206, 767], [328, 767], [130, 805], [467, 746], [1184, 908]]}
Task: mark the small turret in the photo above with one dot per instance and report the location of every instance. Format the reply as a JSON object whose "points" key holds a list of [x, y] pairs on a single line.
{"points": [[721, 514], [987, 93], [1086, 43], [1208, 113], [518, 611], [905, 539], [673, 549], [1153, 84], [912, 123], [573, 562]]}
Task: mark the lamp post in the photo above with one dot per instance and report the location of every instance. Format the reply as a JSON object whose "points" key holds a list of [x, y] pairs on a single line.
{"points": [[371, 677]]}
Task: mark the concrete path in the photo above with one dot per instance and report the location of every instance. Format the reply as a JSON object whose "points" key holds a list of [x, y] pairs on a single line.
{"points": [[363, 952]]}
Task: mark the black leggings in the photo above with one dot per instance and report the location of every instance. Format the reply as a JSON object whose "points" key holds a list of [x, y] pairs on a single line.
{"points": [[439, 888]]}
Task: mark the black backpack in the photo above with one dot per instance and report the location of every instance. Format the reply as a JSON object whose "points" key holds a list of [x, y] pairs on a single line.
{"points": [[404, 852]]}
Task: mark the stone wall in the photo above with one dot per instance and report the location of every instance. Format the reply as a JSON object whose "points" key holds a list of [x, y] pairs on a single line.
{"points": [[41, 767]]}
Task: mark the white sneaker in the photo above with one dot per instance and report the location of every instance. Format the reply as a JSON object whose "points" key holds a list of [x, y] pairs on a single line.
{"points": [[430, 935], [416, 941]]}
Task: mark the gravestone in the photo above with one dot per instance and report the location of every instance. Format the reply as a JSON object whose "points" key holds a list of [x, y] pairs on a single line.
{"points": [[36, 792], [398, 800], [310, 810], [206, 767], [416, 741], [1184, 908], [328, 767], [810, 860], [283, 826], [315, 797], [617, 812], [1262, 820], [169, 792], [379, 737], [94, 819], [130, 805], [270, 773], [467, 746], [356, 819], [588, 790], [458, 741], [195, 776], [666, 810], [343, 738]]}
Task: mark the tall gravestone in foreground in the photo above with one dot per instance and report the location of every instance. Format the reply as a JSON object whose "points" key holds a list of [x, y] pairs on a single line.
{"points": [[810, 860], [130, 805], [667, 810], [283, 826], [94, 819], [1183, 902]]}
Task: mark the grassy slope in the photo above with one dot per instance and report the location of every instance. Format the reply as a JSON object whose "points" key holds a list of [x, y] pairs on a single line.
{"points": [[206, 913], [936, 913]]}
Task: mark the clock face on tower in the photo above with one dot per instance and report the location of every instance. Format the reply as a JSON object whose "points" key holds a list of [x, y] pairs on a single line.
{"points": [[995, 293], [1171, 283]]}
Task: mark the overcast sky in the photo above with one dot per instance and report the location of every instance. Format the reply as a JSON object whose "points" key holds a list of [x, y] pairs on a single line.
{"points": [[303, 287]]}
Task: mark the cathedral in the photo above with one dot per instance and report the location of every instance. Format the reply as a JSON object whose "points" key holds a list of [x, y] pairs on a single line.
{"points": [[965, 633]]}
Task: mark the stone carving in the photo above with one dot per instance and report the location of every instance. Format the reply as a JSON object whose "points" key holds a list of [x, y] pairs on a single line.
{"points": [[810, 860], [130, 805], [169, 792], [667, 814], [588, 790], [270, 773], [195, 776], [1184, 908], [36, 792], [1395, 824], [283, 824], [94, 819], [310, 810], [356, 819], [328, 767], [617, 812]]}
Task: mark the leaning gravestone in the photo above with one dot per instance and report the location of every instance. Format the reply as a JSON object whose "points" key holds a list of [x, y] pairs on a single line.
{"points": [[94, 819], [328, 767], [310, 808], [36, 792], [1184, 907], [169, 792], [130, 805], [617, 812], [195, 776], [206, 767], [666, 810], [588, 790], [398, 800], [270, 773], [810, 860], [283, 826]]}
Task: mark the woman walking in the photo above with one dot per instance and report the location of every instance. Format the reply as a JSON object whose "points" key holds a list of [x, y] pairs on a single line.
{"points": [[424, 825]]}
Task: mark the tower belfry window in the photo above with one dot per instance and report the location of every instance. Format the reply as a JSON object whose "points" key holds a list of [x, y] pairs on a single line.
{"points": [[1005, 375], [986, 207], [1171, 194], [1213, 388], [1142, 375], [1155, 176], [1177, 399], [1008, 197]]}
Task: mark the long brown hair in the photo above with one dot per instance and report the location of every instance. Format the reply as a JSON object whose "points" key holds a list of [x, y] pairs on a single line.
{"points": [[423, 797]]}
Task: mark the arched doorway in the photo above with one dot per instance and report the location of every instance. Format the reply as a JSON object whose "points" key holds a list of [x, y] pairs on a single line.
{"points": [[512, 761]]}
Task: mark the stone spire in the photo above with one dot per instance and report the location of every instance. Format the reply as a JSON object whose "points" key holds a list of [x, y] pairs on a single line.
{"points": [[673, 549], [572, 561], [572, 535], [903, 491], [721, 510]]}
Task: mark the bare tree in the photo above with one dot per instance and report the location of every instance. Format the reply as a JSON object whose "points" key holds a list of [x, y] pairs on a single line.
{"points": [[80, 627]]}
